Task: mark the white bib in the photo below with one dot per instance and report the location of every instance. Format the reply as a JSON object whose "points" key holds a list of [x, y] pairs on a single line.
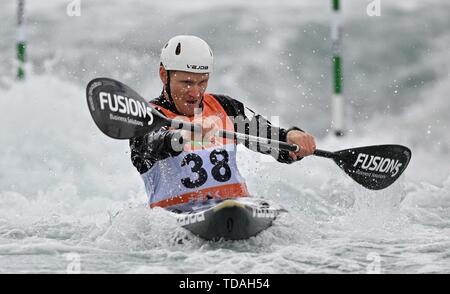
{"points": [[195, 176]]}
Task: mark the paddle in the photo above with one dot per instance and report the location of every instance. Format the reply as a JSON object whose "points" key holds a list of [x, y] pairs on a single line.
{"points": [[121, 113]]}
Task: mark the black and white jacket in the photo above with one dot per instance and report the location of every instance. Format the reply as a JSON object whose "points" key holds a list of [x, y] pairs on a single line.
{"points": [[155, 146]]}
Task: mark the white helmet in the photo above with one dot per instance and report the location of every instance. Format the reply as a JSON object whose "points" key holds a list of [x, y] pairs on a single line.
{"points": [[187, 53]]}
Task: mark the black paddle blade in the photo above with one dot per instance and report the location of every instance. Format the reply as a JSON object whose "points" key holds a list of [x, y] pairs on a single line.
{"points": [[374, 167], [119, 112]]}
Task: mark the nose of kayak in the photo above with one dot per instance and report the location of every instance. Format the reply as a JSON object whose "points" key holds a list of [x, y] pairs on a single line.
{"points": [[229, 220]]}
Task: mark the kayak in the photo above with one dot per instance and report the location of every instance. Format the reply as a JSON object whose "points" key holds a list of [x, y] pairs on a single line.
{"points": [[231, 219]]}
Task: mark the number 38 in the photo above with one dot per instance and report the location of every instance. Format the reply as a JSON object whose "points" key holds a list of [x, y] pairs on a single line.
{"points": [[221, 171]]}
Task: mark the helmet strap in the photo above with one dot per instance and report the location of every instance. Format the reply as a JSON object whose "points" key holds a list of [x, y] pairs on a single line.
{"points": [[168, 91]]}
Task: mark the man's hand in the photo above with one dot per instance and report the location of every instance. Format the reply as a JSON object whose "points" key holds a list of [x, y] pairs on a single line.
{"points": [[305, 141], [210, 128]]}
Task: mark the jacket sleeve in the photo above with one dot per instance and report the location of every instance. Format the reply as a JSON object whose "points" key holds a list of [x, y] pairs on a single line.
{"points": [[249, 122], [152, 147]]}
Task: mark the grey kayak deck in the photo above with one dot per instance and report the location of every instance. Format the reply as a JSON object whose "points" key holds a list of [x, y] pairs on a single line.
{"points": [[229, 220]]}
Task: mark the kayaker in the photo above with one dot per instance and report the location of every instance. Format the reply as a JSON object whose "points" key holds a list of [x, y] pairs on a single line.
{"points": [[181, 169]]}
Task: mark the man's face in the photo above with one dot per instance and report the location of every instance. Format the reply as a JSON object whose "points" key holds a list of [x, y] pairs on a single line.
{"points": [[187, 90]]}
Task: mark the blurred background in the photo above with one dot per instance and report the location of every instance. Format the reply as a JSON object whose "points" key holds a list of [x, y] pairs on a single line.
{"points": [[60, 178]]}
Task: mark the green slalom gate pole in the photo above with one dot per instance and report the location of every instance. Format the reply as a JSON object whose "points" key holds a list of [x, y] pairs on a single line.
{"points": [[21, 40], [337, 103]]}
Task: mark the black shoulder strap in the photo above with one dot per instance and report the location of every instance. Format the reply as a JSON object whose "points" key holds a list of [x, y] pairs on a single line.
{"points": [[162, 102]]}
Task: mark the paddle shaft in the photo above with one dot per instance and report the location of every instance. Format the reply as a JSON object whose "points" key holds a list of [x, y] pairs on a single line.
{"points": [[270, 143]]}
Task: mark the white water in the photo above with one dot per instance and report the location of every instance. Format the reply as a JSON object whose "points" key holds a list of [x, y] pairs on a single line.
{"points": [[61, 178]]}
